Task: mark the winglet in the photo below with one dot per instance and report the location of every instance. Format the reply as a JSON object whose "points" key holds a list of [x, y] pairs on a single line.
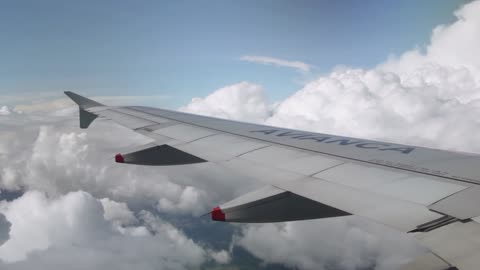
{"points": [[83, 102], [86, 118]]}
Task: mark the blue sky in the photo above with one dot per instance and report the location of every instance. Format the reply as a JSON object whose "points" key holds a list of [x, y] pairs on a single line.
{"points": [[184, 49]]}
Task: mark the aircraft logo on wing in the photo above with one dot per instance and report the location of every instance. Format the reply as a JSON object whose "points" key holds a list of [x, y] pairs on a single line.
{"points": [[338, 140]]}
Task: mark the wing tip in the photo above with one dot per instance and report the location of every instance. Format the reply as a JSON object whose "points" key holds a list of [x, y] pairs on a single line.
{"points": [[86, 118], [82, 101]]}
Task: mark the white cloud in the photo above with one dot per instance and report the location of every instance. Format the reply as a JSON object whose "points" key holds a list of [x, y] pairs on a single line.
{"points": [[221, 257], [188, 199], [4, 229], [345, 243], [4, 110], [265, 60], [55, 159], [118, 213], [453, 45], [435, 94], [73, 231], [51, 159], [242, 101], [38, 223], [380, 105]]}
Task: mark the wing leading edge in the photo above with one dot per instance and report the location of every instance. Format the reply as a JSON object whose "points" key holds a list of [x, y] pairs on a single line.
{"points": [[310, 175]]}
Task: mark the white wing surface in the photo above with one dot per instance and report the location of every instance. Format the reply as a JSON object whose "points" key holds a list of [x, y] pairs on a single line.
{"points": [[432, 194]]}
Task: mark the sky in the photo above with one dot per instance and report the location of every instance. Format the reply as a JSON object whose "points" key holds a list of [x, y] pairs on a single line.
{"points": [[406, 72], [183, 49]]}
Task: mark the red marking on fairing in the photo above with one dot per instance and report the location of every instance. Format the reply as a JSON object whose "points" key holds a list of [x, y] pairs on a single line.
{"points": [[119, 158], [217, 214]]}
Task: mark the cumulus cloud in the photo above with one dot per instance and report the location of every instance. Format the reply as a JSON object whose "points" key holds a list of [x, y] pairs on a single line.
{"points": [[265, 60], [453, 45], [55, 159], [221, 257], [435, 94], [74, 231], [118, 213], [380, 105], [347, 243], [53, 221], [242, 101], [51, 160], [184, 201]]}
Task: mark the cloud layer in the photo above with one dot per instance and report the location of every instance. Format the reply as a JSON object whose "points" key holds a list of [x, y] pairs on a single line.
{"points": [[346, 243], [4, 110], [77, 231], [79, 209], [77, 201]]}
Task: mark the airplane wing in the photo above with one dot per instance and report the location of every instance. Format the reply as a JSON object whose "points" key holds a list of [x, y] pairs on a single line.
{"points": [[433, 195]]}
